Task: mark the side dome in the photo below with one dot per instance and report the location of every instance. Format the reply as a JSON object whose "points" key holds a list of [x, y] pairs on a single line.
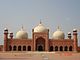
{"points": [[21, 34], [58, 34], [40, 28]]}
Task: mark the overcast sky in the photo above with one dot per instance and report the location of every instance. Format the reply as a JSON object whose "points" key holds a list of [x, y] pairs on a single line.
{"points": [[53, 13]]}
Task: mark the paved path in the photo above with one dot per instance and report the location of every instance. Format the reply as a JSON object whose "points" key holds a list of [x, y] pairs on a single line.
{"points": [[39, 56]]}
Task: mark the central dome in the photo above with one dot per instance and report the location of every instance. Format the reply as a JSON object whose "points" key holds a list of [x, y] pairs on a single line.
{"points": [[21, 34], [58, 34], [40, 28]]}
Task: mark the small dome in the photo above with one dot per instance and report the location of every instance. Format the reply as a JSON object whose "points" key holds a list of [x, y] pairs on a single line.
{"points": [[58, 34], [74, 29], [5, 29], [40, 28], [21, 34], [69, 32]]}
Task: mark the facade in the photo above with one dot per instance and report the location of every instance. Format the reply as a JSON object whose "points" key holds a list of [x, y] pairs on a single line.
{"points": [[40, 40]]}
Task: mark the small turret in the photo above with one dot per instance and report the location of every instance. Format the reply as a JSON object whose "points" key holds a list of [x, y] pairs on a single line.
{"points": [[5, 31], [5, 34], [11, 35], [5, 39], [75, 39], [69, 35]]}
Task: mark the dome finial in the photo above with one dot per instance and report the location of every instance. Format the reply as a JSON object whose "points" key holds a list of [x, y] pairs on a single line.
{"points": [[40, 21], [58, 28], [22, 28]]}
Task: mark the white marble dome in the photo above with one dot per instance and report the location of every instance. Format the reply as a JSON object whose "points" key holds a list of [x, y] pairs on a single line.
{"points": [[21, 34], [58, 34], [74, 29], [40, 28]]}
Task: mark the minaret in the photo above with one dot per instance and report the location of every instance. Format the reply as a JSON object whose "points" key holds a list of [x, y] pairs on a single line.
{"points": [[5, 39], [75, 39], [69, 35], [11, 35]]}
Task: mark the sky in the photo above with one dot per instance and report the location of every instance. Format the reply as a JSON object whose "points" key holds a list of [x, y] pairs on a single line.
{"points": [[27, 13]]}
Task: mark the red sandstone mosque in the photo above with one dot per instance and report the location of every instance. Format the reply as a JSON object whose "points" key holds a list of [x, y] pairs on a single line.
{"points": [[40, 40]]}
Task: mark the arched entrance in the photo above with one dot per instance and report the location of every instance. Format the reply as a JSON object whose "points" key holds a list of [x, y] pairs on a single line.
{"points": [[40, 44], [61, 48], [51, 48], [29, 48], [14, 48], [56, 48], [40, 48], [24, 48], [10, 48], [19, 48], [70, 48], [65, 48]]}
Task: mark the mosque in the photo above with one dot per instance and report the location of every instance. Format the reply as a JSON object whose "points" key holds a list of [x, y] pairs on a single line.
{"points": [[40, 40]]}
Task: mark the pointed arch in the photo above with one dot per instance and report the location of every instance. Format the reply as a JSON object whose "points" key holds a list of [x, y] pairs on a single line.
{"points": [[56, 48], [40, 44], [65, 48], [61, 48], [51, 48], [70, 48], [10, 48], [24, 48], [19, 48], [29, 48], [14, 48]]}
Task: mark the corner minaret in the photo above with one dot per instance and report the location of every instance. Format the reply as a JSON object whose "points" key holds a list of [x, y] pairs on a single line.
{"points": [[5, 39], [75, 39], [11, 35], [69, 35]]}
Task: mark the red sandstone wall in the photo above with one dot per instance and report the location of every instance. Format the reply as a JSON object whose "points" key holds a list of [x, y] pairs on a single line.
{"points": [[65, 42], [22, 42], [1, 47], [78, 48]]}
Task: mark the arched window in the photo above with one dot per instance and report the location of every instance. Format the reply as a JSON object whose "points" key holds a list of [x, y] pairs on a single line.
{"points": [[65, 48], [51, 48], [10, 48], [14, 48], [24, 48], [19, 48], [70, 48], [61, 48], [29, 48], [56, 48]]}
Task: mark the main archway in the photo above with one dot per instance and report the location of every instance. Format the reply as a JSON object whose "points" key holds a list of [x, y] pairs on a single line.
{"points": [[40, 44]]}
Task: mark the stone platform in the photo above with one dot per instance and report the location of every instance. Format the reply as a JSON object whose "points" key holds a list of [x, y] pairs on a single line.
{"points": [[39, 56]]}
